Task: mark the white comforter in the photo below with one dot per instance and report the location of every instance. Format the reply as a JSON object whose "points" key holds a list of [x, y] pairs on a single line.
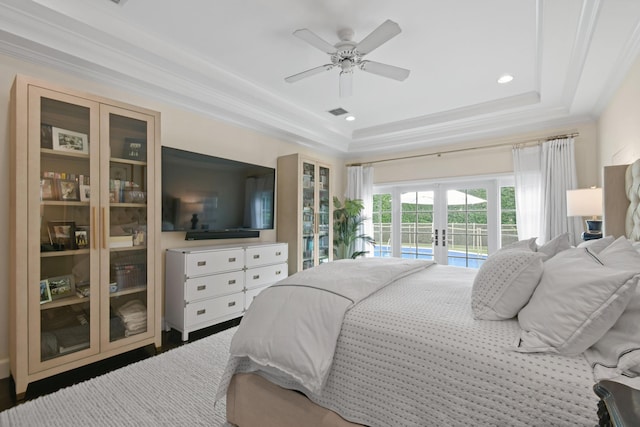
{"points": [[412, 355], [292, 327]]}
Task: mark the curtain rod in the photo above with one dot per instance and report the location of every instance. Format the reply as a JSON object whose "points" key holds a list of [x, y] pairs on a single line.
{"points": [[439, 153]]}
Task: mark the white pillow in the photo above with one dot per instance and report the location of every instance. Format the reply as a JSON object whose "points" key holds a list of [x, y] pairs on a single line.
{"points": [[577, 300], [618, 351], [504, 283], [526, 244], [597, 245], [555, 245]]}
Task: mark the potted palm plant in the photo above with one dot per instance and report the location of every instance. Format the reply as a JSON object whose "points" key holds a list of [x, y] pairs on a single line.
{"points": [[347, 229]]}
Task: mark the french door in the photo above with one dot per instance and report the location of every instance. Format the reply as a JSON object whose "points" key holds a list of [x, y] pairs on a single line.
{"points": [[449, 223]]}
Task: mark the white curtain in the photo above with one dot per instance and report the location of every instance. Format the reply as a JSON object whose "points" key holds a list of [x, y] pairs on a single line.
{"points": [[527, 163], [360, 186], [543, 174], [558, 176]]}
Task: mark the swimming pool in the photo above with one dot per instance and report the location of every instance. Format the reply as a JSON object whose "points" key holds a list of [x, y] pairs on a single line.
{"points": [[457, 258]]}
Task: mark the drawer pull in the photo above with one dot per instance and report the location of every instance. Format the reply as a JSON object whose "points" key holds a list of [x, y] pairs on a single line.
{"points": [[232, 259], [278, 272], [231, 304], [278, 253], [201, 287], [202, 263], [256, 256], [256, 277], [232, 281], [202, 311]]}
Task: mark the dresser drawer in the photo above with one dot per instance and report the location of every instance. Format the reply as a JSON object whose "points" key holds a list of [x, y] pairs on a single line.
{"points": [[201, 263], [211, 309], [214, 285], [263, 255], [261, 276]]}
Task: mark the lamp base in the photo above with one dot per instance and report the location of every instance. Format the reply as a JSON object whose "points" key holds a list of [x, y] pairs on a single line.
{"points": [[594, 229]]}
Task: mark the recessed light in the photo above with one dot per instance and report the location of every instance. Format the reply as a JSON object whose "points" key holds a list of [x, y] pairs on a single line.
{"points": [[505, 78], [350, 118]]}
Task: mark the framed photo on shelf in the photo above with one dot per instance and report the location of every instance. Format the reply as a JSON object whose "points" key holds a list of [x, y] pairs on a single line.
{"points": [[68, 189], [45, 293], [135, 149], [67, 140], [47, 190], [63, 234], [46, 139], [85, 192], [61, 286], [82, 239]]}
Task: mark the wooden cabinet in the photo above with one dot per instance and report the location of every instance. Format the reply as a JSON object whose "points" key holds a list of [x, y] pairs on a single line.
{"points": [[304, 218], [211, 284], [84, 230]]}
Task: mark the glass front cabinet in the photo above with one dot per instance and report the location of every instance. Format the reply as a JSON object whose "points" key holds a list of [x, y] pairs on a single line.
{"points": [[304, 198], [84, 230]]}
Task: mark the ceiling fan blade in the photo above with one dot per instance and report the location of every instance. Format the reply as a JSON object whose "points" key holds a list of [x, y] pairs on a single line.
{"points": [[308, 73], [314, 40], [346, 83], [386, 31], [384, 70]]}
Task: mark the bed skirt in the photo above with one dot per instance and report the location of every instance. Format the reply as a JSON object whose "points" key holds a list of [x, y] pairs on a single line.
{"points": [[254, 401]]}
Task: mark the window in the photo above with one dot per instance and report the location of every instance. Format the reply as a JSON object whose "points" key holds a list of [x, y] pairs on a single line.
{"points": [[381, 219], [458, 223], [508, 225]]}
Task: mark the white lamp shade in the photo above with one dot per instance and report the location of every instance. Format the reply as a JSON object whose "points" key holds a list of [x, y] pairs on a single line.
{"points": [[584, 202]]}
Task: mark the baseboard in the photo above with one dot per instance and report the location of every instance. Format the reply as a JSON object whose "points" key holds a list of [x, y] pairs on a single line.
{"points": [[5, 368]]}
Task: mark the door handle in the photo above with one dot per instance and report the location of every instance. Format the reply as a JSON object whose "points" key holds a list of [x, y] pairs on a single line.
{"points": [[436, 239], [444, 237]]}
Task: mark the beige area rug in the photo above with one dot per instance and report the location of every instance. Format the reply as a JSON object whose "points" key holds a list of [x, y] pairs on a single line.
{"points": [[175, 388]]}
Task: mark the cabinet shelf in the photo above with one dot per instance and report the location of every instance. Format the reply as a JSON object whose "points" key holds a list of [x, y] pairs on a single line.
{"points": [[64, 253], [129, 248], [126, 161], [128, 205], [63, 203], [129, 291], [62, 302], [48, 152]]}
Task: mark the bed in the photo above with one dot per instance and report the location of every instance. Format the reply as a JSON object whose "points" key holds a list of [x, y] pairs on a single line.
{"points": [[440, 345]]}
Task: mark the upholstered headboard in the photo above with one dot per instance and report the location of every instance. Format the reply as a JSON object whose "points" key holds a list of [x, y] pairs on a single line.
{"points": [[622, 200], [632, 186]]}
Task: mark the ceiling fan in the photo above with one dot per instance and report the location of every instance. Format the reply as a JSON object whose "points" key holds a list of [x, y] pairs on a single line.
{"points": [[347, 55]]}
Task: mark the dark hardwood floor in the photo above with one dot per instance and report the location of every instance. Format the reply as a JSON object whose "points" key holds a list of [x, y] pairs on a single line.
{"points": [[170, 340]]}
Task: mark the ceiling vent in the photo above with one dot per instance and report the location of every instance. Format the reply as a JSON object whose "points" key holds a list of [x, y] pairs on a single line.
{"points": [[338, 111]]}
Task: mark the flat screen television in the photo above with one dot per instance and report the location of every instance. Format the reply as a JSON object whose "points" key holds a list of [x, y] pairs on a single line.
{"points": [[211, 196]]}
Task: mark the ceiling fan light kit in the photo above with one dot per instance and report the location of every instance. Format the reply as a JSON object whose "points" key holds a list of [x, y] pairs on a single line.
{"points": [[347, 55]]}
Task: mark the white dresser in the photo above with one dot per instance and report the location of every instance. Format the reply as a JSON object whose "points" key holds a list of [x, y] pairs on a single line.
{"points": [[208, 285]]}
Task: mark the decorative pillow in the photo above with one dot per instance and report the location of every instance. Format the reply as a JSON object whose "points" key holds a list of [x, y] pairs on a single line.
{"points": [[597, 245], [504, 283], [527, 244], [620, 254], [578, 299], [618, 351], [555, 245]]}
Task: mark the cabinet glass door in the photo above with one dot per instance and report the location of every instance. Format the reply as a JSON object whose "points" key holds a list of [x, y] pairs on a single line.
{"points": [[308, 214], [126, 182], [324, 215], [62, 294]]}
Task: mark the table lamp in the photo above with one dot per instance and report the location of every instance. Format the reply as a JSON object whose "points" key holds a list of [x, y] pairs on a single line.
{"points": [[587, 202]]}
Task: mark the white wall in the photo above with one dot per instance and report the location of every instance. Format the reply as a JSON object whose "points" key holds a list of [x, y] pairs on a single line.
{"points": [[180, 129], [619, 123]]}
